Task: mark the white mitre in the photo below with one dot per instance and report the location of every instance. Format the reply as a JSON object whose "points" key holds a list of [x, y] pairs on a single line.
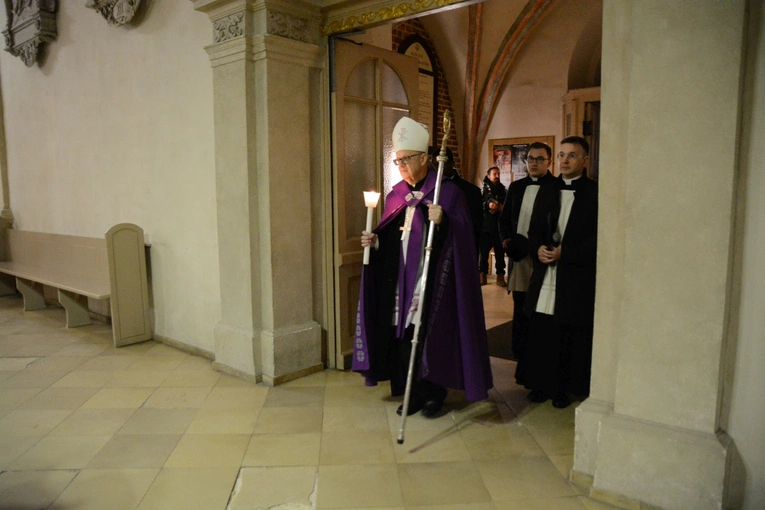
{"points": [[410, 135]]}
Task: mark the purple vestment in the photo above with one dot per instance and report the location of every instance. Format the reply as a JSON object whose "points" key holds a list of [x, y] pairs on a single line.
{"points": [[455, 351]]}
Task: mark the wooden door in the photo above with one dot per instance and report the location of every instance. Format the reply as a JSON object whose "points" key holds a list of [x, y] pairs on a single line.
{"points": [[373, 89]]}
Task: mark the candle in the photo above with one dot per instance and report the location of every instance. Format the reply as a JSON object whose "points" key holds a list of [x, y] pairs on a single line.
{"points": [[370, 199]]}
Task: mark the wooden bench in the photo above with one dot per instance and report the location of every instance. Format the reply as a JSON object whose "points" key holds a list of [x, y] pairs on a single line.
{"points": [[79, 268]]}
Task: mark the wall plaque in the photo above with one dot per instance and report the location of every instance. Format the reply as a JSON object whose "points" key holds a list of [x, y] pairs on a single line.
{"points": [[30, 24], [116, 12]]}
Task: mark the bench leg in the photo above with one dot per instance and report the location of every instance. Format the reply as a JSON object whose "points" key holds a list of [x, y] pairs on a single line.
{"points": [[76, 307], [33, 298], [6, 286]]}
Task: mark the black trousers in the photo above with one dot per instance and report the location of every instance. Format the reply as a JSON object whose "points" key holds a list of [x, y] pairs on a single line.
{"points": [[520, 334], [558, 357], [489, 241], [422, 389]]}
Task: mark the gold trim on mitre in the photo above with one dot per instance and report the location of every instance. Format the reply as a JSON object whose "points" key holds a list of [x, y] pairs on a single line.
{"points": [[384, 14]]}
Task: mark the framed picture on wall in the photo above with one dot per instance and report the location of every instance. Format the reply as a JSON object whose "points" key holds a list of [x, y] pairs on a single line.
{"points": [[509, 155]]}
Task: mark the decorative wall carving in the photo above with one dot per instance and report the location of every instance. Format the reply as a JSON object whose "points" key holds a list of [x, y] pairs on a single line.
{"points": [[386, 13], [285, 25], [229, 27], [116, 12], [30, 24]]}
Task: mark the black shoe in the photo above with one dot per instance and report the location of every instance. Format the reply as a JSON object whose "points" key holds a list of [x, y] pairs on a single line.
{"points": [[537, 396], [413, 408], [561, 402], [432, 408]]}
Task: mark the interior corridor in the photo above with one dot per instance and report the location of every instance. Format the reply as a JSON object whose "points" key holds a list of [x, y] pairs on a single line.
{"points": [[86, 426]]}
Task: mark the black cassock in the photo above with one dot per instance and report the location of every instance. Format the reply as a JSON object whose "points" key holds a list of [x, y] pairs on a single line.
{"points": [[559, 350]]}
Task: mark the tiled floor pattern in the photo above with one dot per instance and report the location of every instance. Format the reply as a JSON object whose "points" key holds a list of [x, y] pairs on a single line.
{"points": [[86, 426]]}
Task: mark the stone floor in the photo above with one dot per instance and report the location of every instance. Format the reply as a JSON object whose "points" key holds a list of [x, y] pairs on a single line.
{"points": [[86, 426]]}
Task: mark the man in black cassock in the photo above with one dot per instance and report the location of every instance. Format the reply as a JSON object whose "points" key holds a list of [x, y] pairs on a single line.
{"points": [[561, 295], [514, 231]]}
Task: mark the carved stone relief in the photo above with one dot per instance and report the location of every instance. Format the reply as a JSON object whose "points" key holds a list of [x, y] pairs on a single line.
{"points": [[30, 24], [229, 27], [116, 12], [285, 25]]}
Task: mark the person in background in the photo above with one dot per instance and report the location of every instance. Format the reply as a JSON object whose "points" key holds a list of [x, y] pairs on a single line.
{"points": [[493, 200]]}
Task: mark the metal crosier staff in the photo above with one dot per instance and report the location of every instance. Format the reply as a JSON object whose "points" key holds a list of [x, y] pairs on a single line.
{"points": [[442, 158]]}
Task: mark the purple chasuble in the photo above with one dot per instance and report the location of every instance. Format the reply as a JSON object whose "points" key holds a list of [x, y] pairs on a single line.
{"points": [[455, 350]]}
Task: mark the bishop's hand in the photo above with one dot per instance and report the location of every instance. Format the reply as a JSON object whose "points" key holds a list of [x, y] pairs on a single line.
{"points": [[435, 213], [368, 239]]}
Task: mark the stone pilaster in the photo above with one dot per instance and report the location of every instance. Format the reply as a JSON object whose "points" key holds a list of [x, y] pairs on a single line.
{"points": [[267, 79], [651, 432]]}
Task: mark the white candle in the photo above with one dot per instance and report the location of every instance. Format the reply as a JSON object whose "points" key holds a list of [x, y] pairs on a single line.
{"points": [[370, 199]]}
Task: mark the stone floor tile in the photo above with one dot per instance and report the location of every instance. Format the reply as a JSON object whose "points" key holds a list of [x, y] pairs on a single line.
{"points": [[359, 486], [232, 421], [93, 422], [33, 379], [169, 398], [159, 421], [59, 398], [192, 378], [244, 397], [84, 379], [355, 419], [523, 478], [441, 483], [32, 489], [563, 503], [294, 396], [118, 398], [275, 487], [190, 489], [30, 422], [137, 378], [429, 446], [60, 452], [115, 489], [13, 447], [289, 420], [357, 448], [283, 450], [139, 451], [209, 450]]}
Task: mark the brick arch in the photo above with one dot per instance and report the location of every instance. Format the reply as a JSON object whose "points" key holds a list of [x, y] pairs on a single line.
{"points": [[479, 111]]}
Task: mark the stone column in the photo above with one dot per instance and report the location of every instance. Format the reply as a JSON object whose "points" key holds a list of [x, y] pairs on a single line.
{"points": [[671, 82], [266, 73]]}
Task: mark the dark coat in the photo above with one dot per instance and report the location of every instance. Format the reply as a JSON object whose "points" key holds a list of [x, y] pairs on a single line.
{"points": [[575, 282], [496, 193], [518, 248], [474, 202]]}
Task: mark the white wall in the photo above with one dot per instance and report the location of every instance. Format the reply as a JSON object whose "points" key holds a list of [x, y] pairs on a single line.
{"points": [[747, 413], [530, 104], [116, 125]]}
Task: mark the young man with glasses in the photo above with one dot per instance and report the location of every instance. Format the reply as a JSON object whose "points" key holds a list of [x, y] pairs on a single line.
{"points": [[452, 350], [561, 296], [514, 231]]}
